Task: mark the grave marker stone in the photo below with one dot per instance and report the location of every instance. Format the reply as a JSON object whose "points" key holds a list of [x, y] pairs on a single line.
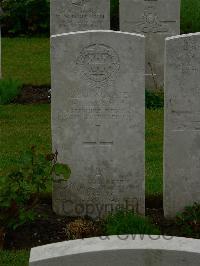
{"points": [[98, 121], [156, 19], [79, 15], [182, 123]]}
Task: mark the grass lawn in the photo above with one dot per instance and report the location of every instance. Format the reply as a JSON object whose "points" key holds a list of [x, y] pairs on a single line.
{"points": [[14, 258], [154, 151], [26, 59], [21, 127], [26, 125]]}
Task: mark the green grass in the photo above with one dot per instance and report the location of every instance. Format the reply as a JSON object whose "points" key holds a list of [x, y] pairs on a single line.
{"points": [[122, 223], [9, 90], [14, 258], [154, 151], [26, 59], [190, 16], [22, 126]]}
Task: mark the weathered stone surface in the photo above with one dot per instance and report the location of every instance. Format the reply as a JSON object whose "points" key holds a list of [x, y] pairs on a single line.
{"points": [[182, 123], [119, 250], [156, 19], [79, 15], [98, 121]]}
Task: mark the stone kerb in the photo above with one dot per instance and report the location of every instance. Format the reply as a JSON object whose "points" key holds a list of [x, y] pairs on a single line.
{"points": [[119, 250]]}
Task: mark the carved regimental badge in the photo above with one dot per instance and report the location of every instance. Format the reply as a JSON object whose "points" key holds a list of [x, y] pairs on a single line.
{"points": [[98, 62], [150, 22]]}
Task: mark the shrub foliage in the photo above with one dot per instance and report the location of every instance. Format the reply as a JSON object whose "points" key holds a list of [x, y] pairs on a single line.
{"points": [[189, 221], [154, 99], [27, 17], [20, 189]]}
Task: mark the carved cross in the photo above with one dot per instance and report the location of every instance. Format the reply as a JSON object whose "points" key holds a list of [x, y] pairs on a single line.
{"points": [[98, 140]]}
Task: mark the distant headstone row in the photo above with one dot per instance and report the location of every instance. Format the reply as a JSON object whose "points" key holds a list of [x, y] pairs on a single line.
{"points": [[98, 91], [156, 19]]}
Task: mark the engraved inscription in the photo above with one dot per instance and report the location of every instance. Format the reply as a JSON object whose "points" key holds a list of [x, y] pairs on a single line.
{"points": [[84, 106], [92, 112], [98, 62], [80, 13], [185, 61], [79, 2]]}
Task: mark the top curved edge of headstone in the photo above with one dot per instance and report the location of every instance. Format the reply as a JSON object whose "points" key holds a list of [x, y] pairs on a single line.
{"points": [[114, 243], [97, 31], [182, 36]]}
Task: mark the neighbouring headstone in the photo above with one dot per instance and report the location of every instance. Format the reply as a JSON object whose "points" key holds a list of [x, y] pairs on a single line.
{"points": [[156, 19], [79, 15], [121, 250], [182, 123], [98, 121]]}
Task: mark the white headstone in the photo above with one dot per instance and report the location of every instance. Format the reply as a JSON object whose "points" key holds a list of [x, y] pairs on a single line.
{"points": [[98, 119], [182, 123], [156, 19], [79, 15], [126, 250]]}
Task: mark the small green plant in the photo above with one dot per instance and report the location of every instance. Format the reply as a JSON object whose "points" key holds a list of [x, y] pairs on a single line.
{"points": [[154, 99], [189, 221], [9, 90], [20, 190], [128, 223]]}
